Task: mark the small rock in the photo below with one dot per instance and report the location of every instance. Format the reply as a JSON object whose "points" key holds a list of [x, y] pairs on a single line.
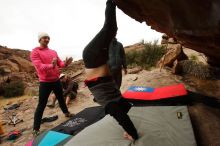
{"points": [[134, 70], [135, 78], [9, 103], [2, 111]]}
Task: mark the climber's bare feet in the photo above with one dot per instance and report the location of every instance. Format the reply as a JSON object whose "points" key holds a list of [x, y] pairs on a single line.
{"points": [[127, 136]]}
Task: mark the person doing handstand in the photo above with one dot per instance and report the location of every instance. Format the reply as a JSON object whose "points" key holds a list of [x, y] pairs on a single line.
{"points": [[98, 77]]}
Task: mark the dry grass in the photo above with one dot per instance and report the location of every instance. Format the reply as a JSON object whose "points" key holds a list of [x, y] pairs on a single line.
{"points": [[197, 69], [5, 101]]}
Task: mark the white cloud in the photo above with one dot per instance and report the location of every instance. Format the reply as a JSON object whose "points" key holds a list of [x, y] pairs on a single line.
{"points": [[70, 23]]}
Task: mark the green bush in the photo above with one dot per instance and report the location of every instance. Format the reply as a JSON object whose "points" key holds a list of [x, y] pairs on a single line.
{"points": [[13, 89], [146, 58]]}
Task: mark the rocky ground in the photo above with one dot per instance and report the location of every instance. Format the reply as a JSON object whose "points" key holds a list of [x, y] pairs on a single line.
{"points": [[27, 109], [205, 119], [204, 116]]}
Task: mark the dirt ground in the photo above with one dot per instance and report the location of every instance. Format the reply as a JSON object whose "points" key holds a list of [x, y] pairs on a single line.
{"points": [[205, 119]]}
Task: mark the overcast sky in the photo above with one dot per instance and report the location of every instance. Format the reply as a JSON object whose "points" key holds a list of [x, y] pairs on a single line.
{"points": [[71, 24]]}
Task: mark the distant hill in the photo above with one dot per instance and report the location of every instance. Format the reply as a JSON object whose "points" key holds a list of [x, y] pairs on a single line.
{"points": [[137, 46]]}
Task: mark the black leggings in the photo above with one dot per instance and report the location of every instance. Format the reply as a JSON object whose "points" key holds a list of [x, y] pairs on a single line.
{"points": [[119, 111], [95, 53], [44, 92]]}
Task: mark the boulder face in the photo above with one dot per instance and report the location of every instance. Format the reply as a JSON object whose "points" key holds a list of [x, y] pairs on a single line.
{"points": [[15, 60], [195, 23], [15, 65], [24, 65]]}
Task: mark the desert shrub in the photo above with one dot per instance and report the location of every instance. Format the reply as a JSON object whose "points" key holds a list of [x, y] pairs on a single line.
{"points": [[197, 69], [12, 89], [146, 58]]}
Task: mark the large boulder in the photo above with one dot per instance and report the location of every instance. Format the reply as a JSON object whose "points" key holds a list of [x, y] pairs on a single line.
{"points": [[174, 52], [1, 56], [196, 23], [24, 65], [15, 60], [13, 67]]}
